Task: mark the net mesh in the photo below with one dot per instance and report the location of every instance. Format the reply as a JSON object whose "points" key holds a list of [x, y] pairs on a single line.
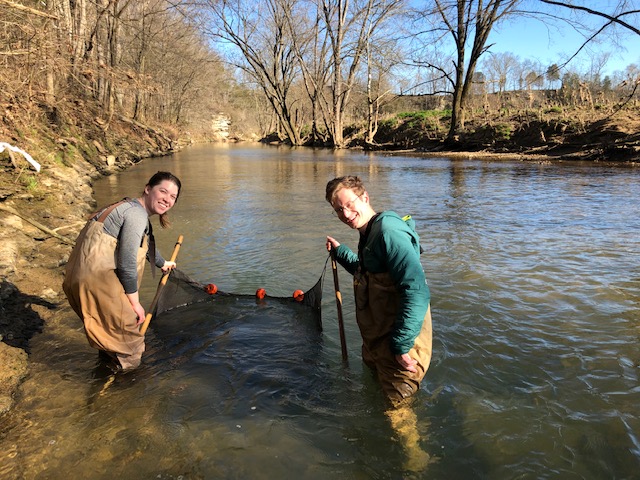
{"points": [[180, 291]]}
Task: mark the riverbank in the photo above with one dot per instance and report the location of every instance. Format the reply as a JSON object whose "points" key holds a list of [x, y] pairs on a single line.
{"points": [[554, 134]]}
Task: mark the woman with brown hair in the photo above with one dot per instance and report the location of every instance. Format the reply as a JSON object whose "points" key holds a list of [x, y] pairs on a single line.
{"points": [[105, 269]]}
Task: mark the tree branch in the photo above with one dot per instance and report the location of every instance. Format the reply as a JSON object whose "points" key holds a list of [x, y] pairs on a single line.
{"points": [[33, 11], [615, 19], [38, 225]]}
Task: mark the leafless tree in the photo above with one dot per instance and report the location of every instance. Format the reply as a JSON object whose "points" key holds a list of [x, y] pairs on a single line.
{"points": [[350, 25], [259, 30], [382, 56], [468, 23], [323, 40], [500, 68], [323, 63], [135, 59], [618, 18], [623, 15], [311, 47]]}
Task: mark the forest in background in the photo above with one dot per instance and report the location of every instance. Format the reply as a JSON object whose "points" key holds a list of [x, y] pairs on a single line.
{"points": [[379, 74]]}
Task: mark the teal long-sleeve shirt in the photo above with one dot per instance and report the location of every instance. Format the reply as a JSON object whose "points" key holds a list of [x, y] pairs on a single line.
{"points": [[393, 246]]}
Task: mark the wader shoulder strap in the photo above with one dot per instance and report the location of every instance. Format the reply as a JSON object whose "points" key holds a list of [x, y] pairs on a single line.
{"points": [[151, 251], [152, 241], [105, 213]]}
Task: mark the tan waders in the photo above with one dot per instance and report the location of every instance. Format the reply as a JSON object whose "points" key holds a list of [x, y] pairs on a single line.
{"points": [[97, 296], [377, 304]]}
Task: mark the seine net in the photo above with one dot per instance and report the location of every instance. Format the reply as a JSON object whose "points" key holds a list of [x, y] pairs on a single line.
{"points": [[180, 291]]}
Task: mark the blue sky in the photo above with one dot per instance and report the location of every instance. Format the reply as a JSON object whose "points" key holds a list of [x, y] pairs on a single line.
{"points": [[531, 39]]}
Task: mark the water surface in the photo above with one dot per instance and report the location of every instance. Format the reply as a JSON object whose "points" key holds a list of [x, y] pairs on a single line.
{"points": [[534, 270]]}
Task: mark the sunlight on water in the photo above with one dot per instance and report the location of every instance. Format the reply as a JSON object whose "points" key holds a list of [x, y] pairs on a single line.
{"points": [[535, 288]]}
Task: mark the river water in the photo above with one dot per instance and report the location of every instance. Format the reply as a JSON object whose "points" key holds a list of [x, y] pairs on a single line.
{"points": [[534, 270]]}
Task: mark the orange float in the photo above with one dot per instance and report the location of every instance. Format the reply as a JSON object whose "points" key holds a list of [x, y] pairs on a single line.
{"points": [[261, 293], [211, 288], [298, 295]]}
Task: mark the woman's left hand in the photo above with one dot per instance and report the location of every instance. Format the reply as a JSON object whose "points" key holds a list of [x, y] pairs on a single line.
{"points": [[168, 266]]}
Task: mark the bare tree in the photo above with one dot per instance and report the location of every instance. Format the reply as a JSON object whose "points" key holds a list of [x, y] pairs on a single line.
{"points": [[259, 30], [135, 58], [157, 40], [616, 18], [500, 68], [311, 47], [324, 40], [28, 53], [349, 27], [468, 23], [382, 55], [72, 26], [620, 17]]}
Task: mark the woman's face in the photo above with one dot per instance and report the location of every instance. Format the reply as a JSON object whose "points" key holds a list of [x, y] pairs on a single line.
{"points": [[160, 198]]}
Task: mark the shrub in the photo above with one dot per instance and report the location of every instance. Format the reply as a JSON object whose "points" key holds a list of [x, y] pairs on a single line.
{"points": [[503, 131]]}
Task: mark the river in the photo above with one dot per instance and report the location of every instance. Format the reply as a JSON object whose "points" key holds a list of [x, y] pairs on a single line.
{"points": [[534, 271]]}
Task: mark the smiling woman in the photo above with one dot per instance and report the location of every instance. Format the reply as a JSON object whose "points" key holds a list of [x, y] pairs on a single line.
{"points": [[105, 269]]}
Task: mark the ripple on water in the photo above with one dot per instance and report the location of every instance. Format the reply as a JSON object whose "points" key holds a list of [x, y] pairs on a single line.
{"points": [[535, 294]]}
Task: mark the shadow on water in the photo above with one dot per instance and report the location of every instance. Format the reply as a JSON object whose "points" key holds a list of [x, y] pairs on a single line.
{"points": [[18, 321]]}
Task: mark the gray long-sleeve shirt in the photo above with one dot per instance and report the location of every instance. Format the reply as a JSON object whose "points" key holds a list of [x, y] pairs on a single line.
{"points": [[129, 223]]}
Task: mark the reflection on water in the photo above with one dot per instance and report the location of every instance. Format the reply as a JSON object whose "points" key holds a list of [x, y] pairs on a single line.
{"points": [[534, 276]]}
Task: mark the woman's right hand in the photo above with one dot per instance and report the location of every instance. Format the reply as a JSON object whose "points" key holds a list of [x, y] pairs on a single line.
{"points": [[332, 243], [134, 300], [168, 266], [139, 309]]}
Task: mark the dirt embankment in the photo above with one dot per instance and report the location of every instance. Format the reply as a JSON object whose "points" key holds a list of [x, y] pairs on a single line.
{"points": [[578, 134]]}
